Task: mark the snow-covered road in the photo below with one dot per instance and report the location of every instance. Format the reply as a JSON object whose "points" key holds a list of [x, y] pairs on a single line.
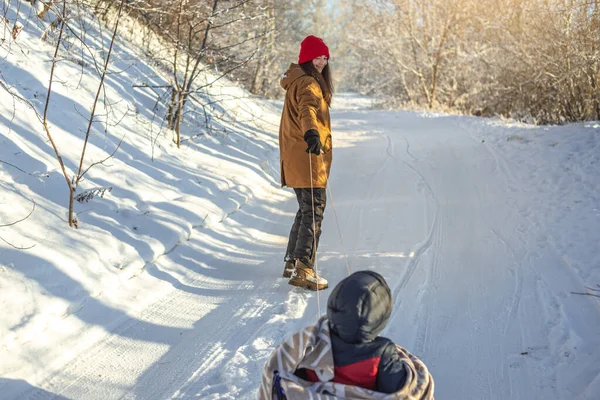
{"points": [[481, 294], [487, 230]]}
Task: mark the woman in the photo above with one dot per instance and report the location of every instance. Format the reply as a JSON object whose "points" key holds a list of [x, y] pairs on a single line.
{"points": [[305, 156]]}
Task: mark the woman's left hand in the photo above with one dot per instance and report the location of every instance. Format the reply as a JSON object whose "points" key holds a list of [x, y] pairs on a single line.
{"points": [[311, 137]]}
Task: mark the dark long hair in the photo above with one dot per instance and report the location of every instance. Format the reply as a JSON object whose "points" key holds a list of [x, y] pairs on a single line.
{"points": [[324, 79]]}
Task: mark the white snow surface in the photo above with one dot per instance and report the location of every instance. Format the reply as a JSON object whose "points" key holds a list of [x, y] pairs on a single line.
{"points": [[171, 286]]}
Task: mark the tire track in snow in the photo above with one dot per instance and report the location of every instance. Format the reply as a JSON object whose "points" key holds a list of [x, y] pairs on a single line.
{"points": [[221, 351], [508, 179], [424, 323], [518, 282], [546, 343], [422, 248], [389, 149], [121, 351], [407, 149], [511, 361], [83, 376], [118, 351], [256, 345]]}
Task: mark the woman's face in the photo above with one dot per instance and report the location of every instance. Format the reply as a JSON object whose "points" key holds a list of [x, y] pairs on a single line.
{"points": [[320, 63]]}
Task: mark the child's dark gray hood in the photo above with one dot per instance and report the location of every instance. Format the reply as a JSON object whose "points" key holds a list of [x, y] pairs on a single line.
{"points": [[359, 307]]}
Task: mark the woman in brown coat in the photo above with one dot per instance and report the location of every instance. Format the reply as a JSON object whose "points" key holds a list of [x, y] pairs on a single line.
{"points": [[305, 156]]}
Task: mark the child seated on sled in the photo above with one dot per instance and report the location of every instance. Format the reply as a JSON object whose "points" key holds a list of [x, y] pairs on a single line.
{"points": [[358, 310], [345, 349]]}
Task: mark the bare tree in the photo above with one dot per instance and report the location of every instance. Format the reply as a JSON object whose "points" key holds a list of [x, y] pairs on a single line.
{"points": [[205, 38], [518, 58], [74, 180]]}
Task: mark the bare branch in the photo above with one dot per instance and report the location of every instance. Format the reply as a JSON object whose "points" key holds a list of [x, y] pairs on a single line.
{"points": [[44, 122], [586, 294], [22, 219], [17, 247], [100, 86], [14, 166], [16, 96], [105, 159]]}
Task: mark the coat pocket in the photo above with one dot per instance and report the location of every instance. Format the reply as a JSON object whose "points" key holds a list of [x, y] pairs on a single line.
{"points": [[327, 144]]}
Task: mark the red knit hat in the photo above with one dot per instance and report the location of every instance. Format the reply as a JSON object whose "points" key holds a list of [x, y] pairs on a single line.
{"points": [[311, 48]]}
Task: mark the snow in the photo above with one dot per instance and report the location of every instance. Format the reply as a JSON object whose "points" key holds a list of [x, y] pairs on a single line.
{"points": [[171, 286]]}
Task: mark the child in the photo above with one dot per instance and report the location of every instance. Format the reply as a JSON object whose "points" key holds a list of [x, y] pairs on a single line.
{"points": [[343, 355]]}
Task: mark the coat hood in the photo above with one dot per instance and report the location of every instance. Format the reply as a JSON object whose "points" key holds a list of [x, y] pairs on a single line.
{"points": [[294, 72], [359, 307]]}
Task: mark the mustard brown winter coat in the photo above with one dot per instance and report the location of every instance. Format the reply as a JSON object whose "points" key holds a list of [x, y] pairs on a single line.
{"points": [[305, 107]]}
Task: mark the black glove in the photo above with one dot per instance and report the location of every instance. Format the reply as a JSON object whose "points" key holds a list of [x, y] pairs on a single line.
{"points": [[311, 137]]}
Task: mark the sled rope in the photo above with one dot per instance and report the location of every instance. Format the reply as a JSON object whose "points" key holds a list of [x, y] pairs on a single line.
{"points": [[312, 199], [337, 222]]}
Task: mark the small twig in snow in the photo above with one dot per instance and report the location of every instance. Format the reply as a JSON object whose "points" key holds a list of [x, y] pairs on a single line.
{"points": [[16, 222], [586, 294], [17, 247], [14, 166], [22, 219]]}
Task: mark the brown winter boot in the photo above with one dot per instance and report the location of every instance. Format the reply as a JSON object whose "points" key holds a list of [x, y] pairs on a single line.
{"points": [[304, 277], [289, 268]]}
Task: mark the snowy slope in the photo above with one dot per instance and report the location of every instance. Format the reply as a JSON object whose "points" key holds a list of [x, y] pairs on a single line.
{"points": [[171, 286]]}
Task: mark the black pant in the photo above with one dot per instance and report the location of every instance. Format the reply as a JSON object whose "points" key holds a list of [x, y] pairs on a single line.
{"points": [[302, 244]]}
